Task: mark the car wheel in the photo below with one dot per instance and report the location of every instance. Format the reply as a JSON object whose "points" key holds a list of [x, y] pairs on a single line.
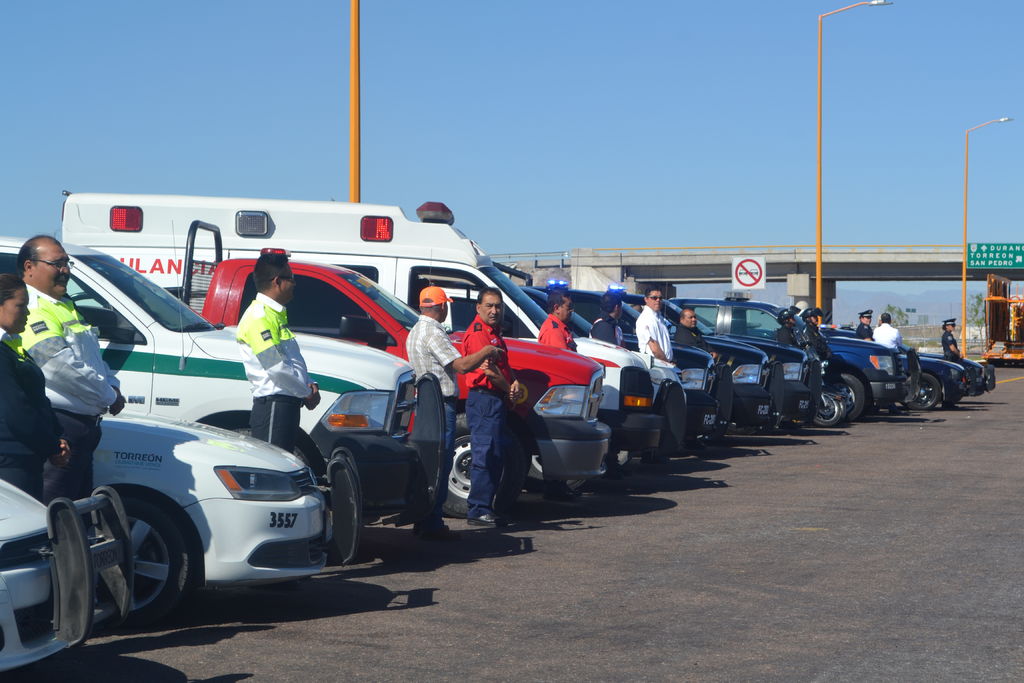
{"points": [[512, 478], [860, 396], [929, 391], [163, 565]]}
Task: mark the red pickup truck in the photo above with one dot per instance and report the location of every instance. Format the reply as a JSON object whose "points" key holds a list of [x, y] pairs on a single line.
{"points": [[555, 423]]}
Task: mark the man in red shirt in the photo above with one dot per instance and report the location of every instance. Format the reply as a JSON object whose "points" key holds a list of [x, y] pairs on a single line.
{"points": [[492, 387], [555, 330]]}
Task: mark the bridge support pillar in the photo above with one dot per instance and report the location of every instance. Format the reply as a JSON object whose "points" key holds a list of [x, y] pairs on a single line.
{"points": [[801, 288]]}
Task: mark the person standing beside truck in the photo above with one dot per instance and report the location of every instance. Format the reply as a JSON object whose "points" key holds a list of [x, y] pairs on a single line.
{"points": [[271, 356], [79, 383], [492, 387], [29, 430], [651, 328], [689, 334], [554, 331], [431, 351], [950, 349], [607, 328], [815, 339], [864, 328], [886, 334], [786, 334]]}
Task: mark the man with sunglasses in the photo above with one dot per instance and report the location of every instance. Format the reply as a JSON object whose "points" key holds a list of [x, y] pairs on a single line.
{"points": [[79, 383], [651, 328], [271, 356]]}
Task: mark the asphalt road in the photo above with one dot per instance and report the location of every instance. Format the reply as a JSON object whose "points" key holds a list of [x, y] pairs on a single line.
{"points": [[890, 550]]}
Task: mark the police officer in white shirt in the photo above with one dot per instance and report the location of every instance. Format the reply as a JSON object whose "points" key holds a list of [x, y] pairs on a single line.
{"points": [[651, 328], [887, 335]]}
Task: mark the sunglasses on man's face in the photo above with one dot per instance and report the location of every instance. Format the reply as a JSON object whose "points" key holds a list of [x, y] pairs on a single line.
{"points": [[655, 298]]}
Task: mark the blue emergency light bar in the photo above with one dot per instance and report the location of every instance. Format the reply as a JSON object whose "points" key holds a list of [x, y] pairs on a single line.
{"points": [[616, 288], [553, 284]]}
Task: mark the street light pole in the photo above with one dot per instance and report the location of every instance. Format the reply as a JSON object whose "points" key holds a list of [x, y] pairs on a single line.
{"points": [[963, 279], [353, 104], [817, 253]]}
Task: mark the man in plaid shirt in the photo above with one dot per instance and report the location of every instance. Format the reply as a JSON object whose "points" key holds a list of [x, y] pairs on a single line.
{"points": [[431, 350]]}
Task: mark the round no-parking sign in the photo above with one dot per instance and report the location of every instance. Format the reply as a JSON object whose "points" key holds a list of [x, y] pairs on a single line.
{"points": [[748, 272]]}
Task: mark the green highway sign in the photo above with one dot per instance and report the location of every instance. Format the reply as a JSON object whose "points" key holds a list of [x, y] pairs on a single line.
{"points": [[995, 255]]}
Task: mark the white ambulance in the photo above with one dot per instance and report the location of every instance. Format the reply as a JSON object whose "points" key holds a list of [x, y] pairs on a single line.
{"points": [[147, 232]]}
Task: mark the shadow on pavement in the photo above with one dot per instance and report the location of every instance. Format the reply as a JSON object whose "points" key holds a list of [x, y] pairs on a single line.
{"points": [[109, 662]]}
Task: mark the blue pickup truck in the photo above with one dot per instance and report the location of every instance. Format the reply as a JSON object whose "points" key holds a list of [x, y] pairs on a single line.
{"points": [[877, 376]]}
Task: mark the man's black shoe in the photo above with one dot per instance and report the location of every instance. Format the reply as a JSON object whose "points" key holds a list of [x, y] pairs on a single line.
{"points": [[487, 520]]}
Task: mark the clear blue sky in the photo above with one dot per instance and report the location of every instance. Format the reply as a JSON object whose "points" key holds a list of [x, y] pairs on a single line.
{"points": [[543, 125]]}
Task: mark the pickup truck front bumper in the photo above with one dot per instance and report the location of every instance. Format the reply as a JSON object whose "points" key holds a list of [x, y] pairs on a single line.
{"points": [[570, 448], [889, 391], [701, 413], [798, 404], [390, 472], [751, 405], [631, 431]]}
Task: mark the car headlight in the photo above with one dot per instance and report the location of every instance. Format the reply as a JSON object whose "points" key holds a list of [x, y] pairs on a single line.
{"points": [[747, 374], [791, 371], [955, 374], [883, 363], [567, 400], [692, 378], [358, 410], [250, 483]]}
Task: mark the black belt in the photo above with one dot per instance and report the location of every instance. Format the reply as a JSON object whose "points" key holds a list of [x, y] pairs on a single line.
{"points": [[278, 398], [91, 420], [492, 392]]}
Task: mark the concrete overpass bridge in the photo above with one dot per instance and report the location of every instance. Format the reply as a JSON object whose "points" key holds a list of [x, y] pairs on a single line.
{"points": [[793, 263]]}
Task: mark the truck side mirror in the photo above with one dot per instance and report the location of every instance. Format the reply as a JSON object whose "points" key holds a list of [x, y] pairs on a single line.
{"points": [[507, 327], [362, 329]]}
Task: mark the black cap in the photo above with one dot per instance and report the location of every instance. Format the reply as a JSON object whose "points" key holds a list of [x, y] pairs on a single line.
{"points": [[949, 321], [784, 315], [811, 311], [866, 314]]}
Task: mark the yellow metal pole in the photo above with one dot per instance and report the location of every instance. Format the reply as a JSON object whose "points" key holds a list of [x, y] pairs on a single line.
{"points": [[817, 243], [353, 104]]}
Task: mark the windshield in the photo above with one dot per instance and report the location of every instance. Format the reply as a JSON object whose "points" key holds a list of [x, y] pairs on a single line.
{"points": [[527, 305], [169, 312], [394, 306]]}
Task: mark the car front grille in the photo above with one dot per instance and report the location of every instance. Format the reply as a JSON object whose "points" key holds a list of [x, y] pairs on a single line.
{"points": [[292, 554]]}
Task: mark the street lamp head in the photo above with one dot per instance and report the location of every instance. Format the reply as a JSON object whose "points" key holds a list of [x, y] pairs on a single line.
{"points": [[878, 3], [1005, 119]]}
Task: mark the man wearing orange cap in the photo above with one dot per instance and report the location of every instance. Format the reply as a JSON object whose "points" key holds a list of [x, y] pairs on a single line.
{"points": [[431, 350]]}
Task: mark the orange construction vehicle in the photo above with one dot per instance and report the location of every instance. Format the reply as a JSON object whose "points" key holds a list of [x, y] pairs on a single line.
{"points": [[1004, 322]]}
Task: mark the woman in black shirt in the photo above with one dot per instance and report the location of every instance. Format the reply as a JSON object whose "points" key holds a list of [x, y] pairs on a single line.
{"points": [[29, 431]]}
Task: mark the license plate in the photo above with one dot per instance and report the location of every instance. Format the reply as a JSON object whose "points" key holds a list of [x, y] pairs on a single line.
{"points": [[709, 419], [763, 409], [106, 554], [804, 405], [890, 385]]}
